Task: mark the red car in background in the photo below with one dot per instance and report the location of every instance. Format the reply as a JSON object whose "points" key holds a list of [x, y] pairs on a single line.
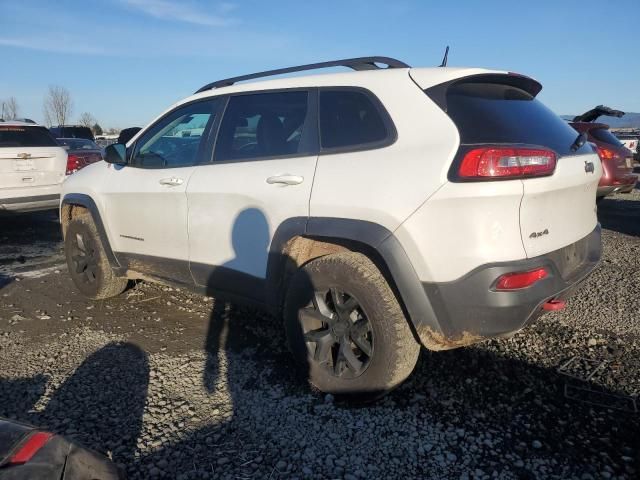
{"points": [[81, 153], [617, 160]]}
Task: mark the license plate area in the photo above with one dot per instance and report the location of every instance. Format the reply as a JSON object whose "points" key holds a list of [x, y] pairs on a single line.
{"points": [[571, 259], [24, 165]]}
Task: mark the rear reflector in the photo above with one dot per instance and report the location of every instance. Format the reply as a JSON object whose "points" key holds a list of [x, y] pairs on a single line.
{"points": [[517, 280], [498, 162], [34, 443]]}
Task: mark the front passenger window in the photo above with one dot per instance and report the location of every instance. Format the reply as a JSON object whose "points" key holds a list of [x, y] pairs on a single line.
{"points": [[178, 139]]}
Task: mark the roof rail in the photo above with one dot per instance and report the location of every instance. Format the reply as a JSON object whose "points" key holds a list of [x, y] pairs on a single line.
{"points": [[360, 63]]}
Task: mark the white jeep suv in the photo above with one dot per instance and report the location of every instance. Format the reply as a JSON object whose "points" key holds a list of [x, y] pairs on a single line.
{"points": [[378, 210], [32, 167]]}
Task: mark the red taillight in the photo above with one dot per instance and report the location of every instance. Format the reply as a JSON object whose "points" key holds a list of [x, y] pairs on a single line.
{"points": [[516, 280], [34, 443], [74, 163], [498, 162], [605, 153]]}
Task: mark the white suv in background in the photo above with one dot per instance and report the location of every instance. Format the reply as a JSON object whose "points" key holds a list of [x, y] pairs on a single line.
{"points": [[32, 167], [377, 210]]}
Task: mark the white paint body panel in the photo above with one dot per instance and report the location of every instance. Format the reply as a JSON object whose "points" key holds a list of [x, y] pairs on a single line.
{"points": [[30, 172], [145, 217], [562, 204], [386, 185], [234, 212], [463, 226]]}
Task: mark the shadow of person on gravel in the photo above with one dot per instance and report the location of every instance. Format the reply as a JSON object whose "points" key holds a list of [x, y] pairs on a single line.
{"points": [[102, 403], [229, 327], [19, 396], [239, 338]]}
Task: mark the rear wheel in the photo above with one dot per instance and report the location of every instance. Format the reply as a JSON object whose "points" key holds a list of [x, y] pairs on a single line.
{"points": [[346, 328], [87, 261]]}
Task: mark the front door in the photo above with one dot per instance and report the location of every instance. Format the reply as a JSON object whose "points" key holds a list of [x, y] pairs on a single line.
{"points": [[145, 201]]}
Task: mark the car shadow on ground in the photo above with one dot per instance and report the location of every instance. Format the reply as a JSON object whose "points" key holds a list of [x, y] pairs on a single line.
{"points": [[620, 214]]}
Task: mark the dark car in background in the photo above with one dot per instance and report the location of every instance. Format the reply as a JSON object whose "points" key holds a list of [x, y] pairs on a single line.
{"points": [[81, 152], [27, 453], [617, 160], [72, 131], [127, 134]]}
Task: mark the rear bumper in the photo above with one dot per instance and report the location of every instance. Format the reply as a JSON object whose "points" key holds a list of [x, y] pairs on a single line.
{"points": [[469, 310], [30, 204]]}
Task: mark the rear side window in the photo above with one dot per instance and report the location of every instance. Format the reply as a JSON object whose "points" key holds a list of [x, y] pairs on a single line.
{"points": [[488, 113], [19, 136], [263, 125], [604, 135], [350, 119]]}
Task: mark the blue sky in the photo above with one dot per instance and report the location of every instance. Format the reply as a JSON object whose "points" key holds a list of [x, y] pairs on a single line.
{"points": [[125, 61]]}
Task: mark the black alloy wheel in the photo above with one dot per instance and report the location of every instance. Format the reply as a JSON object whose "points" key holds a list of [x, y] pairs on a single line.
{"points": [[85, 258], [338, 333]]}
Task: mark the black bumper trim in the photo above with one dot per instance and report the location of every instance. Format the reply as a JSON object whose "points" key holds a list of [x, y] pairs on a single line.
{"points": [[468, 310], [39, 198]]}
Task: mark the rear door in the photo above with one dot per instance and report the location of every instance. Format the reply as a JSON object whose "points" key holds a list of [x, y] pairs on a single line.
{"points": [[555, 210], [260, 178], [30, 157]]}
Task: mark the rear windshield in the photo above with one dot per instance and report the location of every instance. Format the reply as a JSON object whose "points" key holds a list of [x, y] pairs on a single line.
{"points": [[496, 113], [19, 136], [604, 135]]}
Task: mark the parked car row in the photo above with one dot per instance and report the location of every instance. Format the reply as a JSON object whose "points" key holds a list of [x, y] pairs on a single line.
{"points": [[35, 160], [617, 160]]}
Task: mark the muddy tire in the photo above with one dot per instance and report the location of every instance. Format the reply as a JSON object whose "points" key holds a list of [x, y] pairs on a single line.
{"points": [[346, 328], [87, 261]]}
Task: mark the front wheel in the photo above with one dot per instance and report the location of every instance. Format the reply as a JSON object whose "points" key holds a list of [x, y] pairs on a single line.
{"points": [[346, 328], [87, 261]]}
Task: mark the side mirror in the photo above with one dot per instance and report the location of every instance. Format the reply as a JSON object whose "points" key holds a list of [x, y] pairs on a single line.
{"points": [[116, 153]]}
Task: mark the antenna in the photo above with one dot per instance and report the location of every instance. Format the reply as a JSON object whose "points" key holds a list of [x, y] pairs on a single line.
{"points": [[444, 59]]}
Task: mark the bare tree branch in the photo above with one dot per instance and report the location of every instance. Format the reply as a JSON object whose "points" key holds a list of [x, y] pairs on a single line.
{"points": [[57, 106], [11, 108], [87, 120]]}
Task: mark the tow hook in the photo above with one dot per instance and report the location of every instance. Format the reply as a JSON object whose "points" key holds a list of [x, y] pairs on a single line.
{"points": [[554, 305]]}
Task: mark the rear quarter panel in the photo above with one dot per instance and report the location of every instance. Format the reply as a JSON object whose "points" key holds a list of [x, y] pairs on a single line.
{"points": [[386, 185]]}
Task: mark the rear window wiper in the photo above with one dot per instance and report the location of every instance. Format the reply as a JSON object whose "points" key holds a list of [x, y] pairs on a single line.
{"points": [[580, 140]]}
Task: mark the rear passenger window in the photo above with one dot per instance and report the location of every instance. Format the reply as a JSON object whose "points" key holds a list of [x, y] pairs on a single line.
{"points": [[349, 119], [263, 125]]}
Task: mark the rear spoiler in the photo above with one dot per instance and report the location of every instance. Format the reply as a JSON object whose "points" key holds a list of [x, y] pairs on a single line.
{"points": [[438, 93]]}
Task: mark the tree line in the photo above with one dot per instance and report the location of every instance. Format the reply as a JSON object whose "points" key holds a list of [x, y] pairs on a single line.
{"points": [[57, 109]]}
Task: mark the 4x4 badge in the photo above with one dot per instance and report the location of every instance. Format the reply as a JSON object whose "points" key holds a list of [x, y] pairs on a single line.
{"points": [[539, 234], [589, 167]]}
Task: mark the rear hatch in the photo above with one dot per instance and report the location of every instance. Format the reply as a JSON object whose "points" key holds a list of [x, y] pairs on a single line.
{"points": [[501, 110], [30, 157], [614, 149]]}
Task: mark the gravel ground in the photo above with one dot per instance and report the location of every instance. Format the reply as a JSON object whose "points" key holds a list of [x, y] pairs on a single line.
{"points": [[174, 385]]}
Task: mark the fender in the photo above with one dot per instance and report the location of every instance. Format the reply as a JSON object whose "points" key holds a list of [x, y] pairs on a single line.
{"points": [[87, 202], [380, 240]]}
